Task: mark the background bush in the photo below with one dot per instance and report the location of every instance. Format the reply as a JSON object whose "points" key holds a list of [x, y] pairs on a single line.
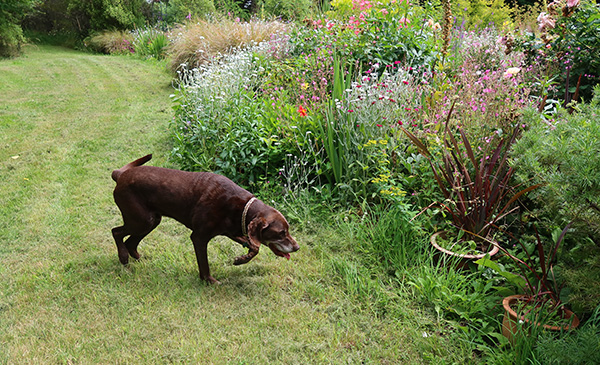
{"points": [[179, 9], [481, 13], [97, 15], [12, 13], [287, 9]]}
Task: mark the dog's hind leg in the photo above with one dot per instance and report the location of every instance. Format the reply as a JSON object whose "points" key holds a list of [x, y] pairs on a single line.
{"points": [[138, 222], [134, 240], [118, 234]]}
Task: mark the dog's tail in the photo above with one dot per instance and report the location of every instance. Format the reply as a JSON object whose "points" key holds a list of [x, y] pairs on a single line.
{"points": [[140, 161]]}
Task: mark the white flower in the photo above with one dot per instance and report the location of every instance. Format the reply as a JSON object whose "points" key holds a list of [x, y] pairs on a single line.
{"points": [[511, 71]]}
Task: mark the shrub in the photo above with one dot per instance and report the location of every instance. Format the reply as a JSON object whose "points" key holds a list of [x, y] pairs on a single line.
{"points": [[563, 154], [11, 39], [287, 9], [571, 347], [50, 16], [12, 13], [487, 86], [222, 124], [192, 8], [373, 34], [481, 13], [99, 15]]}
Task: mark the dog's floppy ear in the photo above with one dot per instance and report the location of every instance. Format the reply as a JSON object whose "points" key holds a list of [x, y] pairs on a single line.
{"points": [[254, 232]]}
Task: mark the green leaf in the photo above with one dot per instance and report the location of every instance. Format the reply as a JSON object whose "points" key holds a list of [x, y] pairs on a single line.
{"points": [[512, 278]]}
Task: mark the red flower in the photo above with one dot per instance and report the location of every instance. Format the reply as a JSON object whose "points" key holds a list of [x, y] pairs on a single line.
{"points": [[302, 111]]}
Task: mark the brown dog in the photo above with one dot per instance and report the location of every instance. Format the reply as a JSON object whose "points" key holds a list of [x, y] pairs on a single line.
{"points": [[207, 203]]}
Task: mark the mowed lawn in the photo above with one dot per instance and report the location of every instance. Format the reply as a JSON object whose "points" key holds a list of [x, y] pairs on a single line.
{"points": [[67, 119]]}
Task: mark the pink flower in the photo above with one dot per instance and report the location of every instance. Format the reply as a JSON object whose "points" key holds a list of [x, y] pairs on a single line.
{"points": [[572, 3], [379, 125], [545, 22], [403, 22]]}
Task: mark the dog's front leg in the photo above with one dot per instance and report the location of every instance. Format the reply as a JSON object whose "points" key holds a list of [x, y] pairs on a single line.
{"points": [[252, 241], [252, 250], [200, 247]]}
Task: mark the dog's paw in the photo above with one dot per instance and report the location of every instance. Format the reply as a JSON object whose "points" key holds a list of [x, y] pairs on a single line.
{"points": [[212, 281], [240, 260]]}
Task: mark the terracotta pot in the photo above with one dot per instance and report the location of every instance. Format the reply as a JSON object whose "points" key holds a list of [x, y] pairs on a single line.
{"points": [[463, 260], [510, 325]]}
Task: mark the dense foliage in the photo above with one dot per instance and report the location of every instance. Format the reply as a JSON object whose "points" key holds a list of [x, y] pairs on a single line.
{"points": [[569, 47], [12, 13], [562, 154]]}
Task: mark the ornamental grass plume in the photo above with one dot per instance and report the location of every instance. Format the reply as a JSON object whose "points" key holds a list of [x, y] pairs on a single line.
{"points": [[197, 42], [111, 42]]}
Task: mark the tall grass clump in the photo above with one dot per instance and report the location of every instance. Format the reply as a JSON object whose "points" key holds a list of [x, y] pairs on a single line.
{"points": [[111, 42], [198, 42]]}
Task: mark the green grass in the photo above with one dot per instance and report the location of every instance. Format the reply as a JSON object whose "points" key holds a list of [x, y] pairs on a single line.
{"points": [[67, 119]]}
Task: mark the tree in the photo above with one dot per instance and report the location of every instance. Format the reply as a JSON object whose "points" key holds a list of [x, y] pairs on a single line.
{"points": [[12, 12]]}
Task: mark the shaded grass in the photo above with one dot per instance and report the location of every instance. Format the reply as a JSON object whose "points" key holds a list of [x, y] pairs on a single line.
{"points": [[67, 119]]}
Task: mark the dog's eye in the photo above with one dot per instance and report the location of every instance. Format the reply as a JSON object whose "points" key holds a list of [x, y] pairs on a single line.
{"points": [[282, 233]]}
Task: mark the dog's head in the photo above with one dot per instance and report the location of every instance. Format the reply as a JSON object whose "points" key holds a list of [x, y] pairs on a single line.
{"points": [[273, 230]]}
